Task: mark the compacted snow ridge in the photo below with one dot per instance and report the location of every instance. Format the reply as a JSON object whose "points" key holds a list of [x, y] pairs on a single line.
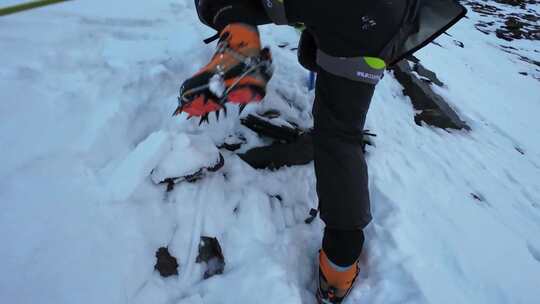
{"points": [[87, 89]]}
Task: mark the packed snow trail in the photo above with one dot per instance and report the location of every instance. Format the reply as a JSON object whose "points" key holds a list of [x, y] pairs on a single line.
{"points": [[87, 90]]}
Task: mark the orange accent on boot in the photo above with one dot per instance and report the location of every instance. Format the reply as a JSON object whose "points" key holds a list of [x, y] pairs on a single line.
{"points": [[243, 96], [243, 39], [198, 107], [341, 280], [246, 80], [242, 36]]}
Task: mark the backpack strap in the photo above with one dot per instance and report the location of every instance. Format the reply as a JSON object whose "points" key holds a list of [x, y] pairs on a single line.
{"points": [[364, 69]]}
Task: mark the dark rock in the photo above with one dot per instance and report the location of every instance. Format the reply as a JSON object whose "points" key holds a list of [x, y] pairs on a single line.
{"points": [[520, 3], [482, 30], [434, 117], [512, 24], [413, 59], [422, 71], [520, 150], [483, 8], [531, 17], [434, 109], [508, 47], [477, 197], [278, 197], [528, 60], [210, 253], [502, 34], [459, 43], [312, 216], [166, 264], [509, 50]]}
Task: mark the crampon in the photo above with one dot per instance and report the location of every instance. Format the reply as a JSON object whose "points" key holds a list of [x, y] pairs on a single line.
{"points": [[237, 73]]}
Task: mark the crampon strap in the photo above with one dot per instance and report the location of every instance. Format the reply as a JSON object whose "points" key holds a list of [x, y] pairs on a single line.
{"points": [[211, 39]]}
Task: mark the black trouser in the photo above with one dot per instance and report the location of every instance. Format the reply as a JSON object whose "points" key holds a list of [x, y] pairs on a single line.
{"points": [[339, 113], [340, 105]]}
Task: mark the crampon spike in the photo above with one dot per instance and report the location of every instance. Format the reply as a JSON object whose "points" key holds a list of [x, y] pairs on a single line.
{"points": [[180, 107], [177, 111], [199, 107], [217, 115], [241, 108], [204, 118]]}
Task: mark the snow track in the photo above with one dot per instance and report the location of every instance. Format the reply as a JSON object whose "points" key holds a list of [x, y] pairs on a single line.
{"points": [[86, 94]]}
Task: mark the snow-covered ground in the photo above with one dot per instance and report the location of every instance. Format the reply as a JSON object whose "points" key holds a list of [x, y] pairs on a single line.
{"points": [[87, 89]]}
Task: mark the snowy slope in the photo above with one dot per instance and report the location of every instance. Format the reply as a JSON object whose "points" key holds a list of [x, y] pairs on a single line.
{"points": [[86, 93]]}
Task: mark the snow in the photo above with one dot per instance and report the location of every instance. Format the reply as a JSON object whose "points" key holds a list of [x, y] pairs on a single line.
{"points": [[87, 90], [186, 155], [134, 169], [216, 85]]}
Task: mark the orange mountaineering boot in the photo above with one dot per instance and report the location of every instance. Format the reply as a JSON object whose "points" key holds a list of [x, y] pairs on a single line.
{"points": [[335, 282], [238, 73]]}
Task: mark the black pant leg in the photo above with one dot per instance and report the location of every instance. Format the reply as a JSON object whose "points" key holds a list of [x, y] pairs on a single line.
{"points": [[343, 247], [339, 113]]}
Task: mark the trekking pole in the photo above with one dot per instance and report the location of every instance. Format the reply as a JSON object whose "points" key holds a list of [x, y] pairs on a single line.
{"points": [[311, 80], [27, 6]]}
